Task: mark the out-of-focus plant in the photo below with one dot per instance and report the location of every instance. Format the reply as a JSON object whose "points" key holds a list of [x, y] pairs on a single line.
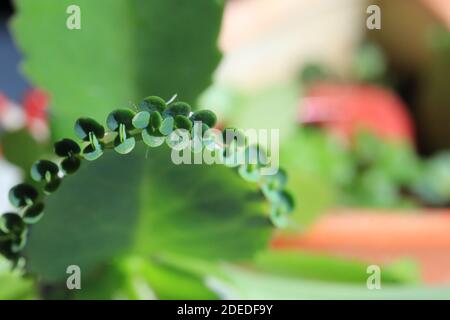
{"points": [[155, 122], [14, 285], [159, 47]]}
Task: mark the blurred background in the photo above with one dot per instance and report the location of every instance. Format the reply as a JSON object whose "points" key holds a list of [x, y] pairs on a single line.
{"points": [[364, 124]]}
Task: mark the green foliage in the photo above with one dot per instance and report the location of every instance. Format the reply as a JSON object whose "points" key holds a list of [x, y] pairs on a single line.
{"points": [[382, 172], [370, 63], [14, 285], [205, 116], [314, 266], [159, 46], [434, 184], [239, 283], [247, 212], [21, 149], [22, 194]]}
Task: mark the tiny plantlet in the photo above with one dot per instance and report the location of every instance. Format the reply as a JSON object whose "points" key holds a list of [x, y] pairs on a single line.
{"points": [[154, 121]]}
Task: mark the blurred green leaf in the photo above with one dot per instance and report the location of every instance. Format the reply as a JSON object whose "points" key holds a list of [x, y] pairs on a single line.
{"points": [[314, 266], [434, 184], [21, 149], [275, 107], [314, 163], [203, 211], [132, 277], [158, 207], [13, 285], [127, 204], [241, 283], [159, 47]]}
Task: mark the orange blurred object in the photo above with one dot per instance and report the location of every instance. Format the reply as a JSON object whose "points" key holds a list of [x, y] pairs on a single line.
{"points": [[441, 8], [345, 109], [381, 237]]}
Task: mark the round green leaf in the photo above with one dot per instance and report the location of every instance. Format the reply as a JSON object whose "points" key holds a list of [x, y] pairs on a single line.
{"points": [[141, 120], [166, 127], [52, 185], [84, 126], [44, 170], [153, 103], [151, 140], [126, 146], [19, 241], [6, 249], [205, 116], [178, 108], [156, 120], [183, 122], [33, 213], [71, 165], [11, 223], [66, 148], [118, 117], [20, 195], [90, 153]]}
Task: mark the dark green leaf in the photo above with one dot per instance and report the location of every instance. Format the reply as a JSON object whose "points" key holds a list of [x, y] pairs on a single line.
{"points": [[71, 165], [43, 170], [11, 223], [85, 126], [52, 185], [33, 213], [118, 117], [183, 122], [156, 120], [178, 108], [66, 148], [21, 194], [207, 117], [152, 104]]}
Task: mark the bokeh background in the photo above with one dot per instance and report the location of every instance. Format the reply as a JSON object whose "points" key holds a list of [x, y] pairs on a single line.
{"points": [[364, 124]]}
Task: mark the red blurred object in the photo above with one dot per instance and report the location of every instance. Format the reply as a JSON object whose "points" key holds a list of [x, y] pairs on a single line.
{"points": [[345, 109], [32, 114], [380, 237], [35, 104], [3, 103]]}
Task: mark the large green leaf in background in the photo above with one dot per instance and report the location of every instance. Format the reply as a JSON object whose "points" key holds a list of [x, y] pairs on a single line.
{"points": [[126, 50]]}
